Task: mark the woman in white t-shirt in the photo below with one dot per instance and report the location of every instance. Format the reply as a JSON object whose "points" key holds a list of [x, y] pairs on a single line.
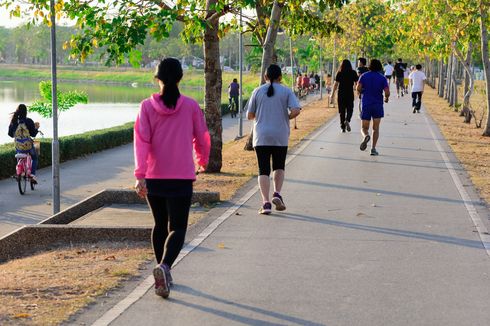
{"points": [[417, 79]]}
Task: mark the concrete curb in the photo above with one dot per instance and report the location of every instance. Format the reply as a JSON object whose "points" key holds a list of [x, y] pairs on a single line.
{"points": [[55, 231], [114, 196], [34, 238]]}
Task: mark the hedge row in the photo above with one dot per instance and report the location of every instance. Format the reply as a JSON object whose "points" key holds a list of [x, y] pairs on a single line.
{"points": [[75, 146], [71, 147]]}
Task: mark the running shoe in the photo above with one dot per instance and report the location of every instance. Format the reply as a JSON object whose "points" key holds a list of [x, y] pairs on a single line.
{"points": [[364, 143], [278, 202], [414, 109], [266, 209], [347, 126], [374, 152], [161, 282]]}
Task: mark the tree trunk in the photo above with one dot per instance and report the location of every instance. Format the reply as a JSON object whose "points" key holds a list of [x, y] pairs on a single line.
{"points": [[468, 81], [270, 38], [441, 79], [212, 98], [453, 97], [485, 59], [448, 78]]}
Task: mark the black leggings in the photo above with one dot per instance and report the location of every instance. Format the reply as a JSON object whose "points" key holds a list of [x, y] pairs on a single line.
{"points": [[346, 108], [264, 154], [171, 216]]}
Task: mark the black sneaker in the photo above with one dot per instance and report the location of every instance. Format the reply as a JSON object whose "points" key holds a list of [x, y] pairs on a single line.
{"points": [[414, 109], [266, 209], [364, 143], [278, 202], [374, 152], [347, 126]]}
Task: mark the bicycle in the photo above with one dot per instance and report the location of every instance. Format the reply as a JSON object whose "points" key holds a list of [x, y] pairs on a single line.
{"points": [[23, 169]]}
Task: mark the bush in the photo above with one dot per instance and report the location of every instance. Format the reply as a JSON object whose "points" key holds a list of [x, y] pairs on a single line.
{"points": [[71, 147]]}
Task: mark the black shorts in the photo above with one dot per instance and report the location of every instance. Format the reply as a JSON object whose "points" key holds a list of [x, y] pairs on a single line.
{"points": [[264, 154]]}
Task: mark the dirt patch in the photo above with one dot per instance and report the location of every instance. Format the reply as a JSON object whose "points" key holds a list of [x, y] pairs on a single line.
{"points": [[466, 141], [47, 288]]}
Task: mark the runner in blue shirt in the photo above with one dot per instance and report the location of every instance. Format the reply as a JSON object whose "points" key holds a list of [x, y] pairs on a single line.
{"points": [[371, 85]]}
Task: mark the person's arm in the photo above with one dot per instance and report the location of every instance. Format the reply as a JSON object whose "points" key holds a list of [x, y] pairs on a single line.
{"points": [[359, 88], [387, 94], [294, 112], [142, 145], [335, 86], [12, 128], [202, 140], [251, 106], [32, 127]]}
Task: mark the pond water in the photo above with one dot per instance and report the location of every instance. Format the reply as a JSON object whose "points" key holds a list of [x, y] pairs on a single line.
{"points": [[109, 105]]}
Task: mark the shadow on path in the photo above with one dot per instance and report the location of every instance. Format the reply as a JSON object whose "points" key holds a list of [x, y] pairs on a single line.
{"points": [[385, 192], [285, 319], [474, 244]]}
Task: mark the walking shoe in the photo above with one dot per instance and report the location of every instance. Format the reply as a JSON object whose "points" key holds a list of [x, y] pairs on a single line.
{"points": [[170, 280], [364, 143], [347, 126], [33, 179], [414, 109], [266, 209], [343, 130], [374, 152], [278, 202], [161, 282]]}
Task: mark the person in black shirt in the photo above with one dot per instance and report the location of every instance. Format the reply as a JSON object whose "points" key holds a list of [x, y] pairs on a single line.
{"points": [[400, 68], [362, 62], [345, 80]]}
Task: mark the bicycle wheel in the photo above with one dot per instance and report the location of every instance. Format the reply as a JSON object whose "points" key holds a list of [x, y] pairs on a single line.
{"points": [[22, 183]]}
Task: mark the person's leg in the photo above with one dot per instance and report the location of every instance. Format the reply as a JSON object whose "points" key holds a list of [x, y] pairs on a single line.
{"points": [[263, 158], [414, 101], [278, 166], [342, 110], [350, 111], [159, 234], [365, 134], [178, 213], [419, 101], [35, 160], [376, 123]]}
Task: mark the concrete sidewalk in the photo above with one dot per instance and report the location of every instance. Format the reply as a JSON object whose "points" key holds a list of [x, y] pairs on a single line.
{"points": [[80, 179], [397, 239]]}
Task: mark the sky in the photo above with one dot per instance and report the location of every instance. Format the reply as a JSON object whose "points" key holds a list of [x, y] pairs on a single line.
{"points": [[5, 20]]}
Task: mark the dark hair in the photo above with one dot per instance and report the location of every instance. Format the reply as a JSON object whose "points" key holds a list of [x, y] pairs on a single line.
{"points": [[235, 80], [273, 73], [362, 60], [19, 114], [418, 67], [345, 66], [389, 62], [400, 60], [375, 65], [170, 72]]}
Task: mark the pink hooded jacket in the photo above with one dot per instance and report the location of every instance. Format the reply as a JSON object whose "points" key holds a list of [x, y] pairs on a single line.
{"points": [[163, 139]]}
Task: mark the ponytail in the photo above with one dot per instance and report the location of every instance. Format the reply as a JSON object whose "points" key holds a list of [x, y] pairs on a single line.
{"points": [[273, 74], [170, 72]]}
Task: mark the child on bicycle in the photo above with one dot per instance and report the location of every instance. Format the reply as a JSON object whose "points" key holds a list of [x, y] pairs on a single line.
{"points": [[22, 128]]}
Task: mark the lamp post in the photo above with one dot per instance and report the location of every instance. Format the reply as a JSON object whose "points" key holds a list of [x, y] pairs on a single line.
{"points": [[240, 89], [321, 71], [55, 161]]}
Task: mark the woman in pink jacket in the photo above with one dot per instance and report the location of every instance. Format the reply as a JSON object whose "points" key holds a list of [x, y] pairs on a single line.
{"points": [[167, 128]]}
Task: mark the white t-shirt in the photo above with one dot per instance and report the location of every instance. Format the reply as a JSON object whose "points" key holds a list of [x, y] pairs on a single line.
{"points": [[417, 77], [388, 70]]}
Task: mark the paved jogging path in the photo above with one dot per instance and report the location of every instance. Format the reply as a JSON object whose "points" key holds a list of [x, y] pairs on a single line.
{"points": [[388, 240]]}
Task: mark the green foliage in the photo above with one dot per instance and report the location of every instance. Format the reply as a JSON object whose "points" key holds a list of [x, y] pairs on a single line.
{"points": [[66, 100], [71, 147]]}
